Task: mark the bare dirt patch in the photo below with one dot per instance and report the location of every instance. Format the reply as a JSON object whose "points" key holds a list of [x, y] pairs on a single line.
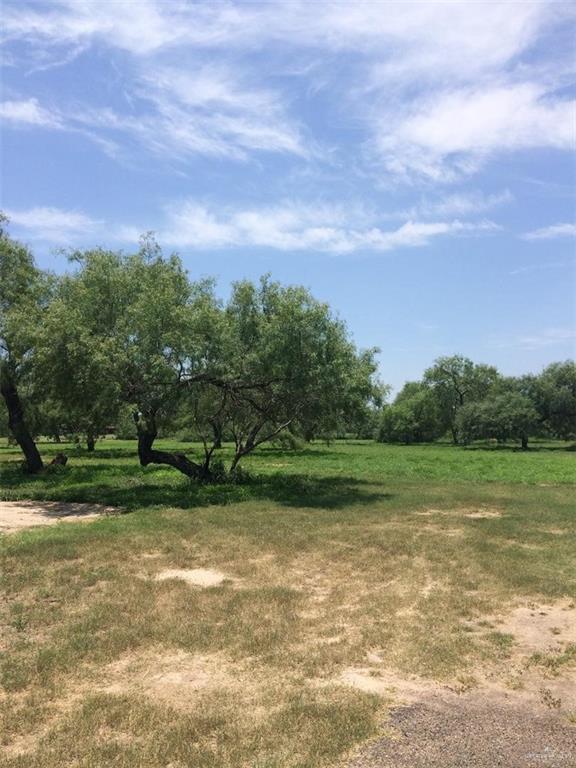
{"points": [[432, 511], [19, 515], [539, 628], [384, 682], [197, 577], [176, 678], [443, 531], [473, 513], [482, 513]]}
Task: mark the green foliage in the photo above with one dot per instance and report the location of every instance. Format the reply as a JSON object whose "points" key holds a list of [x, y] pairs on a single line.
{"points": [[125, 425], [414, 417], [509, 416], [287, 441], [127, 334], [556, 399], [457, 380], [132, 329], [294, 364], [24, 290]]}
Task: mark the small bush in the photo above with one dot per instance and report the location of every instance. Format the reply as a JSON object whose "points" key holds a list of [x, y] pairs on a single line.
{"points": [[286, 441]]}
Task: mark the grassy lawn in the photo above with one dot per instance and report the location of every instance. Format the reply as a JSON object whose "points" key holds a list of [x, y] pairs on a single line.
{"points": [[333, 555]]}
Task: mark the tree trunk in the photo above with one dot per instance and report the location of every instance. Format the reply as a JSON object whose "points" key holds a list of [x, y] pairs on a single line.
{"points": [[90, 440], [524, 443], [454, 435], [147, 432], [217, 431], [17, 424], [235, 461]]}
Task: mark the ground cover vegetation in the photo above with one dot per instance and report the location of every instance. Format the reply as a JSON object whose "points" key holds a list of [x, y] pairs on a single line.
{"points": [[352, 570]]}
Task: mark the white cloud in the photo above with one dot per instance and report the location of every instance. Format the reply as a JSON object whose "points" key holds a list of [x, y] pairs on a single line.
{"points": [[549, 337], [451, 136], [172, 130], [538, 267], [208, 112], [461, 204], [438, 88], [444, 34], [213, 109], [53, 224], [294, 226], [28, 112], [72, 21], [553, 232]]}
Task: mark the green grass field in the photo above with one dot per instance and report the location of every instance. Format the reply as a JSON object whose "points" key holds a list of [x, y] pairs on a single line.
{"points": [[332, 554]]}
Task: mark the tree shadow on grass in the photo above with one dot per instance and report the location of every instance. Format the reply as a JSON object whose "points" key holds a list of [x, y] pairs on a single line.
{"points": [[191, 450], [516, 448], [131, 487], [487, 447]]}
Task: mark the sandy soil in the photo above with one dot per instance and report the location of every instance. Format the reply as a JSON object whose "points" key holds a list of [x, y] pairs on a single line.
{"points": [[19, 515], [198, 577], [176, 678]]}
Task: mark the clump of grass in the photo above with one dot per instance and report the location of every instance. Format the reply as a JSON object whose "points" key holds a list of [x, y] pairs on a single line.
{"points": [[503, 642], [553, 662]]}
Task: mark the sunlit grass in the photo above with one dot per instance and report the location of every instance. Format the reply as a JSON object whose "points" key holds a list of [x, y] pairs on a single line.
{"points": [[332, 552]]}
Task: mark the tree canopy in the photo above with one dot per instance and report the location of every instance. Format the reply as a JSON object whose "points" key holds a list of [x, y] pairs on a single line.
{"points": [[132, 330]]}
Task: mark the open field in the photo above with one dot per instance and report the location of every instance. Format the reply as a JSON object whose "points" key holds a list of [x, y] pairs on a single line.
{"points": [[281, 622]]}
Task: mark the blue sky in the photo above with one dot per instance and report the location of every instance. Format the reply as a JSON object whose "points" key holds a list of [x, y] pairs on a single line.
{"points": [[412, 163]]}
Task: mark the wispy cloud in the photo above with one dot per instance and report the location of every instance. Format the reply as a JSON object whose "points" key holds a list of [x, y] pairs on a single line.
{"points": [[455, 37], [208, 112], [53, 225], [549, 337], [449, 137], [459, 204], [287, 226], [28, 112], [296, 226], [553, 232], [538, 267], [438, 90], [68, 22], [215, 110]]}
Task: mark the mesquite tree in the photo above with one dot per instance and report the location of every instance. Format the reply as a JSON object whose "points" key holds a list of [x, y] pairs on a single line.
{"points": [[23, 292], [292, 363], [507, 416], [134, 328], [78, 349], [130, 329], [455, 381], [556, 398]]}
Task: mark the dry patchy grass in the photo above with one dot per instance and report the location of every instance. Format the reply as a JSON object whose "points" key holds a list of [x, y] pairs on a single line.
{"points": [[330, 611]]}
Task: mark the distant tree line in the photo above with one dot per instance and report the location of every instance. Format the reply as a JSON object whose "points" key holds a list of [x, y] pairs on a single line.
{"points": [[130, 342], [470, 401]]}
